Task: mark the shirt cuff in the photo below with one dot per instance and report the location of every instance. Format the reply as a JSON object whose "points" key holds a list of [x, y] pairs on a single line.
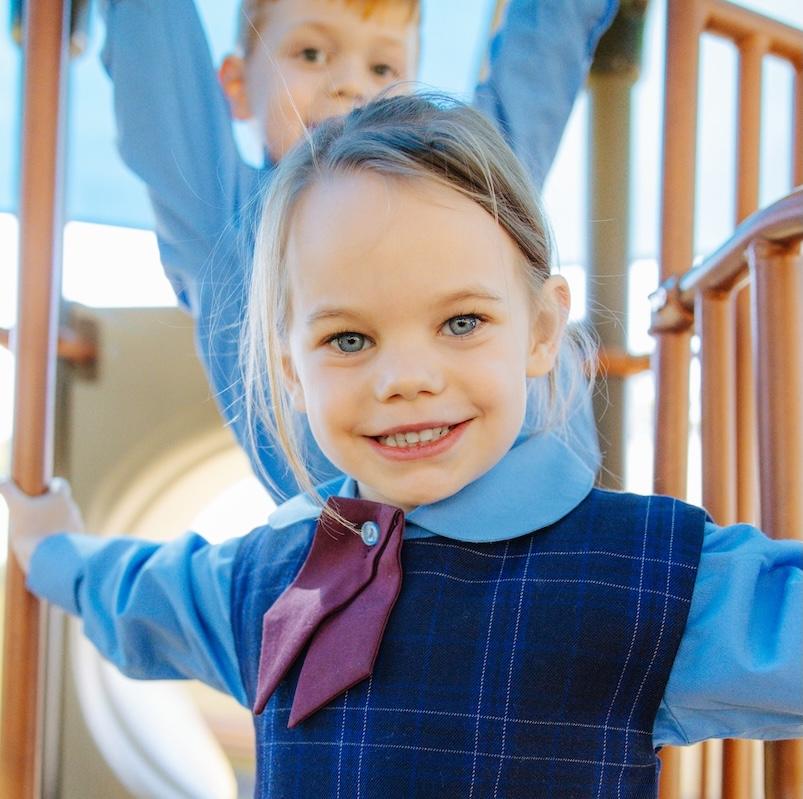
{"points": [[57, 568]]}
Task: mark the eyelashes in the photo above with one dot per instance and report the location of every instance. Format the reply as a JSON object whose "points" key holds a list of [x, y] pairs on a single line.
{"points": [[348, 341], [460, 326]]}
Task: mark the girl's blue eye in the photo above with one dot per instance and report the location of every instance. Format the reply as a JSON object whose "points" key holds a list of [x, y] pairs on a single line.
{"points": [[462, 325], [349, 342]]}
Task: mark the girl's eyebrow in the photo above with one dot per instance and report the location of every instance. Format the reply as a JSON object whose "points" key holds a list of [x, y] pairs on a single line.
{"points": [[471, 293], [329, 313]]}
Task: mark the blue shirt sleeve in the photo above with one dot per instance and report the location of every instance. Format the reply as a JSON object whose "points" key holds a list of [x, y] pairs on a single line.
{"points": [[174, 131], [739, 669], [156, 611], [163, 611], [539, 61]]}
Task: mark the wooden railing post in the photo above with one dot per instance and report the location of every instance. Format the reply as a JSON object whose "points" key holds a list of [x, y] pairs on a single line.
{"points": [[671, 359], [40, 227], [777, 272]]}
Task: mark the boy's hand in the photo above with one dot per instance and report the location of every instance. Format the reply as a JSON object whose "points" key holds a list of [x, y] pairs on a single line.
{"points": [[32, 519]]}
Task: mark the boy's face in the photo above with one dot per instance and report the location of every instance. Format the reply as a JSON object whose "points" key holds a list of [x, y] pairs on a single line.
{"points": [[314, 59], [410, 322]]}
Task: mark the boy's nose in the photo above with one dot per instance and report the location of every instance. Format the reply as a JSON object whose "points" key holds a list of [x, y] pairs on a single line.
{"points": [[349, 80]]}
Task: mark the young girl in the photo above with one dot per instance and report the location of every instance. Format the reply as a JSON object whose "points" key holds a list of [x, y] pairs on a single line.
{"points": [[299, 62], [468, 616]]}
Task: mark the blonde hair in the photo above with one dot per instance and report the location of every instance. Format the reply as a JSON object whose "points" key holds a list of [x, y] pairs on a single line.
{"points": [[407, 138], [253, 17]]}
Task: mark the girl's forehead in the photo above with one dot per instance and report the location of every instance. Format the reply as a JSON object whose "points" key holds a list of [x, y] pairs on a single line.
{"points": [[388, 228]]}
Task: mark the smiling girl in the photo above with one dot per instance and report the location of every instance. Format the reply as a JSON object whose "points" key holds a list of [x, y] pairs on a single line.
{"points": [[295, 64], [463, 614]]}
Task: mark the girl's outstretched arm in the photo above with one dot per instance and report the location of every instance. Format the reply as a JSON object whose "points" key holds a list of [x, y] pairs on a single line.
{"points": [[156, 611], [738, 672], [539, 61]]}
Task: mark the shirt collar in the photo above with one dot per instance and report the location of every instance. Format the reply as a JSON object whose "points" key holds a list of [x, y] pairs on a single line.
{"points": [[537, 482]]}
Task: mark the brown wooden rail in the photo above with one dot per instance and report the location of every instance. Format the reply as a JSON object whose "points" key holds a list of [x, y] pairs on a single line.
{"points": [[724, 270], [37, 311], [754, 37], [72, 347]]}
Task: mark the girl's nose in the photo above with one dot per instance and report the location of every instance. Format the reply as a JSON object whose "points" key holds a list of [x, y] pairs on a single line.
{"points": [[406, 376]]}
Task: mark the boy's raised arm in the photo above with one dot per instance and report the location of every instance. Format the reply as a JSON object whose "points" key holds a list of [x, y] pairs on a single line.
{"points": [[538, 64], [174, 131]]}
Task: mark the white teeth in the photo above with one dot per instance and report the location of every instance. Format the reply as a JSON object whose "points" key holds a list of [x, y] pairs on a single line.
{"points": [[412, 438]]}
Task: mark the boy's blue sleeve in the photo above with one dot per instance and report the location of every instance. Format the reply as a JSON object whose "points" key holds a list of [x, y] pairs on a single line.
{"points": [[174, 132], [538, 64], [739, 669], [156, 611]]}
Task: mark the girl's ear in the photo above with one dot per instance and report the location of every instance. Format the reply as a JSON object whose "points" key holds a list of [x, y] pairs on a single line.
{"points": [[232, 79], [549, 322], [294, 387]]}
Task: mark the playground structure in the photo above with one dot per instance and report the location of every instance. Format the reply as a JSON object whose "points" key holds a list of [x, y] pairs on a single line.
{"points": [[744, 302]]}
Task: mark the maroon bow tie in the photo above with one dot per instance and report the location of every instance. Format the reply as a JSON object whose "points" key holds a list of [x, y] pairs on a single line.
{"points": [[339, 603]]}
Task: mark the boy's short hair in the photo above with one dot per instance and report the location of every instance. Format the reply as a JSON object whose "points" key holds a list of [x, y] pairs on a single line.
{"points": [[252, 17]]}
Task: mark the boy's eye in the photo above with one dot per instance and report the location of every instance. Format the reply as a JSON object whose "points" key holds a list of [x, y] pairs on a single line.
{"points": [[462, 325], [313, 55], [349, 342], [383, 70]]}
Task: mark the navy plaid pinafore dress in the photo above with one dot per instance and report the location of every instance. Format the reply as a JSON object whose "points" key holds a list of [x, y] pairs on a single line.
{"points": [[530, 667]]}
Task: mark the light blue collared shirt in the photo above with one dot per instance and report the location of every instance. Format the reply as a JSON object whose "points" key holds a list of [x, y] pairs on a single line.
{"points": [[162, 611]]}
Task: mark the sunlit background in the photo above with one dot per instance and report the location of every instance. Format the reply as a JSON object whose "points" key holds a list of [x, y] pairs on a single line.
{"points": [[110, 255], [111, 259]]}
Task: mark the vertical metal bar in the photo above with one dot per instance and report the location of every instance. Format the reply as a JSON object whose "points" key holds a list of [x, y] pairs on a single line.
{"points": [[746, 420], [737, 756], [797, 138], [671, 360], [751, 56], [714, 314], [609, 199], [35, 347], [614, 71], [715, 319], [677, 238], [777, 273]]}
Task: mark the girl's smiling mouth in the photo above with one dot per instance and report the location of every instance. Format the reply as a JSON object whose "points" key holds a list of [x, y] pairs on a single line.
{"points": [[418, 441]]}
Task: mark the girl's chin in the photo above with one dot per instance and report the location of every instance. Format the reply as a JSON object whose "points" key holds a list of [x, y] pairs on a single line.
{"points": [[406, 501]]}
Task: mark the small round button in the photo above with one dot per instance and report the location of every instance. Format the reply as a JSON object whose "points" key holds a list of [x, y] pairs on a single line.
{"points": [[370, 533]]}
